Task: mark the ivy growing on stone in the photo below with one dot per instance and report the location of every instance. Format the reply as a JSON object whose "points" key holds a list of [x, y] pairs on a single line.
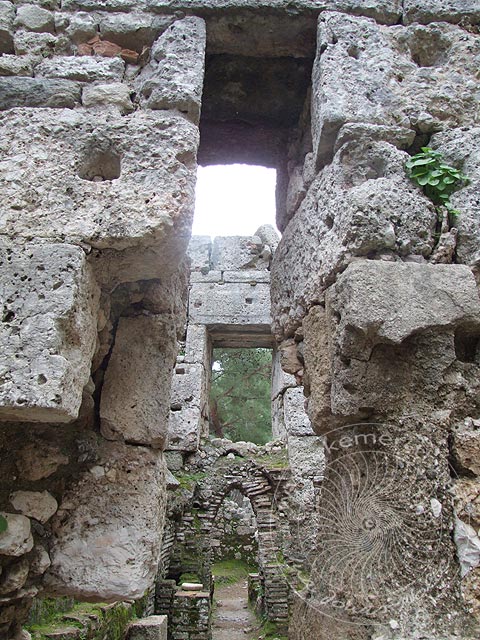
{"points": [[437, 179]]}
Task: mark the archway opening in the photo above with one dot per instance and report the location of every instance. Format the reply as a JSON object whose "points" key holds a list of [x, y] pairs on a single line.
{"points": [[235, 568]]}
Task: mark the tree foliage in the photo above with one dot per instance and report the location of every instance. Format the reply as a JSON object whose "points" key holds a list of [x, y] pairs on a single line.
{"points": [[240, 406]]}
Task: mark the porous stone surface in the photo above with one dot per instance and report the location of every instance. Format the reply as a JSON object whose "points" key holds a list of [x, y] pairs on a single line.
{"points": [[35, 18], [441, 299], [99, 96], [38, 92], [174, 77], [151, 628], [235, 253], [48, 332], [449, 10], [130, 409], [38, 505], [82, 69], [107, 532], [134, 201], [421, 77], [7, 17], [235, 304], [17, 539], [361, 205]]}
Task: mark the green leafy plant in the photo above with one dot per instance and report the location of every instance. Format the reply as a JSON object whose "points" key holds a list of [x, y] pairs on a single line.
{"points": [[3, 524], [437, 179]]}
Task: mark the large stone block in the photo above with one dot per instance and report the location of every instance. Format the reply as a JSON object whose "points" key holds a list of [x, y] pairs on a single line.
{"points": [[151, 628], [124, 186], [48, 332], [136, 391], [108, 529], [375, 340], [423, 77], [197, 346], [362, 204], [34, 18], [82, 69], [174, 77], [233, 253], [296, 419], [318, 368], [437, 10], [230, 304], [38, 92], [7, 16], [199, 250], [184, 429], [133, 30]]}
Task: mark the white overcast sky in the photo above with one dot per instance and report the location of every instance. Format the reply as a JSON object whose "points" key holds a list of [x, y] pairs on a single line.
{"points": [[234, 200]]}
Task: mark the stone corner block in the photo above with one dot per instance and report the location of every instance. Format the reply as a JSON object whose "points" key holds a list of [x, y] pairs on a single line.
{"points": [[136, 392], [151, 628], [48, 331]]}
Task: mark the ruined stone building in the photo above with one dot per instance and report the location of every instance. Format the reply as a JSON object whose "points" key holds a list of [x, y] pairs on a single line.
{"points": [[366, 504]]}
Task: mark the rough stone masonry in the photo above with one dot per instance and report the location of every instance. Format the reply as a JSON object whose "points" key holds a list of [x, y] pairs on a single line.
{"points": [[105, 107]]}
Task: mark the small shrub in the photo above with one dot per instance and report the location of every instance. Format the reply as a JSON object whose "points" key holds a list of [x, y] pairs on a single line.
{"points": [[437, 179]]}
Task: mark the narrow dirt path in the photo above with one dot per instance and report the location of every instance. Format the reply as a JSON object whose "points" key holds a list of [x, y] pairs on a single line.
{"points": [[233, 620]]}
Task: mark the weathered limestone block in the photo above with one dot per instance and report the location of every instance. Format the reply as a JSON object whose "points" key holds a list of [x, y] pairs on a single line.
{"points": [[82, 26], [108, 529], [197, 345], [439, 10], [39, 44], [11, 65], [151, 628], [38, 460], [133, 30], [38, 92], [370, 330], [34, 18], [136, 392], [466, 450], [48, 333], [17, 539], [318, 371], [199, 250], [188, 386], [7, 16], [422, 77], [125, 185], [388, 11], [184, 429], [82, 69], [240, 304], [35, 504], [174, 77], [362, 204], [467, 501], [306, 455], [14, 577], [233, 253], [297, 422], [461, 148], [99, 96]]}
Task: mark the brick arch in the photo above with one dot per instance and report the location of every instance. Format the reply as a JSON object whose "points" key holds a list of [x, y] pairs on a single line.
{"points": [[258, 484]]}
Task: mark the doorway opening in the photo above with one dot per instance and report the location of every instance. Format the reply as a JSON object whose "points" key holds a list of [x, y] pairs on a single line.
{"points": [[240, 394]]}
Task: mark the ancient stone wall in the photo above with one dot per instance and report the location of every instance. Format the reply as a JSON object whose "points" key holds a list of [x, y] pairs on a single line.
{"points": [[374, 299], [97, 175]]}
